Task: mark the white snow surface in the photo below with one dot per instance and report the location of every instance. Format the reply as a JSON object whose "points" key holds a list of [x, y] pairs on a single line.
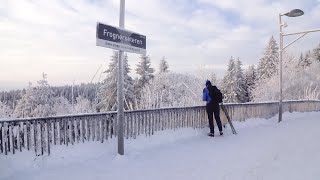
{"points": [[262, 150]]}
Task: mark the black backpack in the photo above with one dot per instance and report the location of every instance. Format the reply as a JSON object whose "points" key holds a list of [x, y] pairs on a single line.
{"points": [[215, 94]]}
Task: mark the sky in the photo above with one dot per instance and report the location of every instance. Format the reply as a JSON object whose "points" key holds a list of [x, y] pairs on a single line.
{"points": [[57, 37]]}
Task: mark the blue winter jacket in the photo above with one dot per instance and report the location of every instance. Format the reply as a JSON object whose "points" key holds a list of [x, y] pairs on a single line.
{"points": [[206, 96]]}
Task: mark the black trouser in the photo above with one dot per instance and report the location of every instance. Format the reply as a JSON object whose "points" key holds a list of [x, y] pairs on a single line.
{"points": [[213, 109]]}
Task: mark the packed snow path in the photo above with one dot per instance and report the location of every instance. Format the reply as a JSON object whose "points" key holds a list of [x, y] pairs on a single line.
{"points": [[262, 150]]}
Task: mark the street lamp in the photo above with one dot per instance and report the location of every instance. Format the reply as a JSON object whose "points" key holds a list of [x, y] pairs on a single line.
{"points": [[292, 13]]}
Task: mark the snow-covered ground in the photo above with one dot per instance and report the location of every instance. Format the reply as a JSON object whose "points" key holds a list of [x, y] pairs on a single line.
{"points": [[262, 150]]}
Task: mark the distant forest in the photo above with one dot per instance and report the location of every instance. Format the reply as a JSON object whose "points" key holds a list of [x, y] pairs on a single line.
{"points": [[87, 91]]}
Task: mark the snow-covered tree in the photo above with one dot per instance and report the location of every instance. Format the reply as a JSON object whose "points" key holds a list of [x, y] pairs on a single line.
{"points": [[214, 79], [297, 83], [305, 61], [164, 66], [145, 73], [301, 60], [83, 105], [250, 80], [36, 101], [44, 97], [269, 62], [241, 88], [171, 90], [290, 62], [108, 90], [10, 98], [62, 106], [229, 83], [234, 87], [316, 53], [26, 104], [5, 111]]}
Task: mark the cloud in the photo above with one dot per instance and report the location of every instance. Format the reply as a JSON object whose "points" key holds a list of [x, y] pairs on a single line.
{"points": [[58, 36]]}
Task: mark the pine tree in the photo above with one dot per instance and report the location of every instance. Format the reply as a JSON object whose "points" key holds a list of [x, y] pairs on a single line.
{"points": [[5, 111], [44, 97], [269, 62], [128, 86], [163, 67], [229, 86], [250, 80], [10, 98], [36, 101], [241, 88], [316, 53], [108, 90], [301, 60], [26, 104], [145, 73], [234, 86], [305, 61]]}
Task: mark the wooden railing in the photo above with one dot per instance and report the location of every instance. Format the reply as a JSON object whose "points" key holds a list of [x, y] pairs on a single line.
{"points": [[39, 134]]}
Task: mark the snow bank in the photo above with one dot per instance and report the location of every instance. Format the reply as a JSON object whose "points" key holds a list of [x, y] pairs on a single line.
{"points": [[263, 149]]}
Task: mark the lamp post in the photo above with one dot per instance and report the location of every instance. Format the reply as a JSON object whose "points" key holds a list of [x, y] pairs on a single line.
{"points": [[292, 13]]}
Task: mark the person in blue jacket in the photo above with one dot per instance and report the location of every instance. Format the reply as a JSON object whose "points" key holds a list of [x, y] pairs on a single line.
{"points": [[212, 107]]}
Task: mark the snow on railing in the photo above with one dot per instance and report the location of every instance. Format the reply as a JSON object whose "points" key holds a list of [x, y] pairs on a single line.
{"points": [[39, 134]]}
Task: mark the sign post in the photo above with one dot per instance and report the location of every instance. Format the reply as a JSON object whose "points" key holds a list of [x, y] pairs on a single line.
{"points": [[122, 40], [120, 88]]}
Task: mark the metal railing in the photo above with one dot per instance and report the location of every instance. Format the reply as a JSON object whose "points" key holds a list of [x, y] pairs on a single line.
{"points": [[39, 134]]}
